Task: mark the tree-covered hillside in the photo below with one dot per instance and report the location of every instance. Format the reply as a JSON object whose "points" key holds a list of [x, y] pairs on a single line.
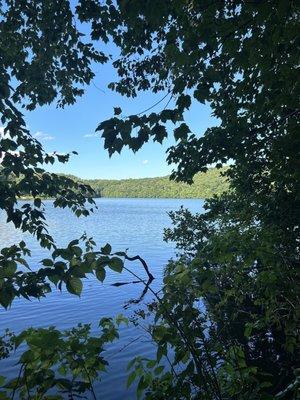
{"points": [[205, 186]]}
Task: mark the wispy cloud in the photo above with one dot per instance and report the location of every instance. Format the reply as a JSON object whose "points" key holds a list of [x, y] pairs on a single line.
{"points": [[145, 162], [89, 135], [43, 136]]}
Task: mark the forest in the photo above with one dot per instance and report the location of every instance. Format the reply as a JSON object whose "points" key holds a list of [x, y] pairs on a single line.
{"points": [[205, 185], [225, 321]]}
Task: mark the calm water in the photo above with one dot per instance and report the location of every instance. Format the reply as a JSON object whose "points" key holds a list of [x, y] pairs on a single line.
{"points": [[136, 224]]}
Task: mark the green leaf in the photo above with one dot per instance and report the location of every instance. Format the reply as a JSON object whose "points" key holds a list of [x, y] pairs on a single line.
{"points": [[6, 297], [106, 249], [120, 318], [73, 243], [20, 339], [74, 286], [161, 351], [142, 385], [151, 363], [37, 202], [47, 262], [181, 132], [131, 364], [200, 95], [54, 279], [117, 110], [131, 378], [183, 101], [159, 132], [77, 251], [100, 273], [159, 370], [23, 262], [62, 370], [27, 357], [64, 383], [248, 330], [8, 270], [116, 264]]}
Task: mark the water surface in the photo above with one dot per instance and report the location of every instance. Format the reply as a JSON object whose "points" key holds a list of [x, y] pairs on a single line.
{"points": [[136, 224]]}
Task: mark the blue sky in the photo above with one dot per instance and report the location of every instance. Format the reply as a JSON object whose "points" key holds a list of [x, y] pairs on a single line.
{"points": [[73, 128]]}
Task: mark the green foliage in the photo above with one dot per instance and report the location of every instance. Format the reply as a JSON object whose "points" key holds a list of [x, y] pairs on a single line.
{"points": [[226, 320], [67, 266], [230, 307], [60, 363], [6, 344], [205, 186], [45, 59], [239, 57]]}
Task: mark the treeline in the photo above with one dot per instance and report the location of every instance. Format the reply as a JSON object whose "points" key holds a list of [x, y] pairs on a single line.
{"points": [[205, 186]]}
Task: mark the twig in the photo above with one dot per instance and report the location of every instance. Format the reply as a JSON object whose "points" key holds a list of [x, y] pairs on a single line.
{"points": [[17, 383], [145, 290], [90, 381], [126, 345], [146, 268], [175, 323], [27, 388], [117, 284]]}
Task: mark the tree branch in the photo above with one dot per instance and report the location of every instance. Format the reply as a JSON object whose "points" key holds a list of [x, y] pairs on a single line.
{"points": [[146, 268]]}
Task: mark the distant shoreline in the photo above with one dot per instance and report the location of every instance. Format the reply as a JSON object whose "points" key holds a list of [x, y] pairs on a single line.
{"points": [[205, 186], [120, 198]]}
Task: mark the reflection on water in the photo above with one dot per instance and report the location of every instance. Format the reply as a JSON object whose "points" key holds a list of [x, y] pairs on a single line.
{"points": [[136, 224]]}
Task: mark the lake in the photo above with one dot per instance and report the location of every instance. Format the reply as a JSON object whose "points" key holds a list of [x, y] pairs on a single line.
{"points": [[136, 224]]}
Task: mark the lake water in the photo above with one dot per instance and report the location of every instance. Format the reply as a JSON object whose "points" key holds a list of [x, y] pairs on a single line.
{"points": [[136, 224]]}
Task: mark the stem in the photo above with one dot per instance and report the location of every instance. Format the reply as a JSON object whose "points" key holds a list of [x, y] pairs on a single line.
{"points": [[173, 321], [90, 381], [18, 380], [146, 268], [27, 388]]}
